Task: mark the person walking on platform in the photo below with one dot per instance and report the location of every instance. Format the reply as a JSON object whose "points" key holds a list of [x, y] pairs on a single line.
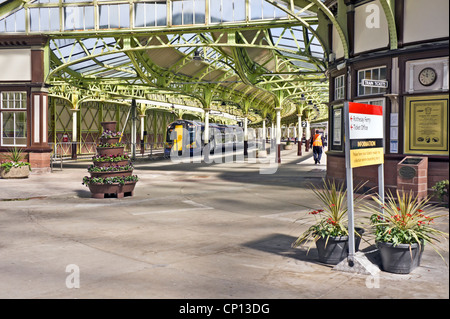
{"points": [[317, 147]]}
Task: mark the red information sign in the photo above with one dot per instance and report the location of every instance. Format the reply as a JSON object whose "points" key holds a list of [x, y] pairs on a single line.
{"points": [[366, 133]]}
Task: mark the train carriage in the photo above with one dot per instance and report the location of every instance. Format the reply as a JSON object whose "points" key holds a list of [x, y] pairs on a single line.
{"points": [[185, 135]]}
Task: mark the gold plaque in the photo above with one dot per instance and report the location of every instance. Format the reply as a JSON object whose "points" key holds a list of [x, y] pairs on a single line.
{"points": [[426, 125]]}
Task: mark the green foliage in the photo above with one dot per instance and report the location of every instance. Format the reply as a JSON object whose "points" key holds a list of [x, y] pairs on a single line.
{"points": [[110, 134], [109, 180], [111, 158], [404, 219], [14, 158], [441, 189], [15, 155], [110, 145], [117, 168], [8, 165]]}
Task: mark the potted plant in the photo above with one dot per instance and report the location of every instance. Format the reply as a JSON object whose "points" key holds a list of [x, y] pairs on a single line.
{"points": [[111, 172], [330, 229], [109, 126], [288, 145], [403, 225], [110, 137], [15, 167], [107, 149], [441, 190], [111, 160], [118, 186]]}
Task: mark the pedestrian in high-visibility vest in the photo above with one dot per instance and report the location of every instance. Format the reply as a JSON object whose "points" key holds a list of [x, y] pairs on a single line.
{"points": [[317, 147]]}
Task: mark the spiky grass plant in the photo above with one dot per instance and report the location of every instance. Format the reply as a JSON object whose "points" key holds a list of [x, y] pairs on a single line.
{"points": [[405, 219], [332, 219]]}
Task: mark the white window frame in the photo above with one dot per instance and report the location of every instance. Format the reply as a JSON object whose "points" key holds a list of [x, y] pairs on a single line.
{"points": [[378, 90], [339, 87], [23, 108]]}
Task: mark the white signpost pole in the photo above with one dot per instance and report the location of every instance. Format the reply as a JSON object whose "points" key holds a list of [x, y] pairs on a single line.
{"points": [[364, 132], [349, 177]]}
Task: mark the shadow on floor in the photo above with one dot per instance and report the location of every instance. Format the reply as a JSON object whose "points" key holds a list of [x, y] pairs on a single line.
{"points": [[280, 244], [83, 193]]}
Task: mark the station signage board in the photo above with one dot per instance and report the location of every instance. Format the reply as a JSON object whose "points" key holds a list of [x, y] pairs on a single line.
{"points": [[364, 138], [366, 133], [375, 83]]}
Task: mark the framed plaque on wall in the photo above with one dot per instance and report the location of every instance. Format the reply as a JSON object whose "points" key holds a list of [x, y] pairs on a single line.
{"points": [[426, 125]]}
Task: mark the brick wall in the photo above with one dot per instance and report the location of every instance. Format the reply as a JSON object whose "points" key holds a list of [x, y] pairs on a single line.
{"points": [[437, 171]]}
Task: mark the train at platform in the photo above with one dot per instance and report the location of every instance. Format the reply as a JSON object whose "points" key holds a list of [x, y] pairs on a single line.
{"points": [[186, 135]]}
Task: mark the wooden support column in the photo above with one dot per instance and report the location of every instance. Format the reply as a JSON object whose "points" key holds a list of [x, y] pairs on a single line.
{"points": [[39, 155], [278, 134], [300, 135]]}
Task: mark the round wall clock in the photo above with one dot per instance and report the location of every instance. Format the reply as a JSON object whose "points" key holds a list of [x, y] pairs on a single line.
{"points": [[427, 76]]}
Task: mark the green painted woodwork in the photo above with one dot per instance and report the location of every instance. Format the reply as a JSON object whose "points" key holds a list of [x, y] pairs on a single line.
{"points": [[255, 65]]}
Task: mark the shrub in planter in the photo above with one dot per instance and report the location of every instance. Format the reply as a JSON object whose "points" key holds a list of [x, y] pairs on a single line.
{"points": [[441, 190], [109, 180], [109, 126], [403, 225], [111, 160], [107, 149], [119, 186], [329, 231], [111, 137], [110, 171], [15, 167], [288, 145]]}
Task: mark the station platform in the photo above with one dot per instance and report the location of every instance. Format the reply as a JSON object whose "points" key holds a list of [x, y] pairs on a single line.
{"points": [[191, 231]]}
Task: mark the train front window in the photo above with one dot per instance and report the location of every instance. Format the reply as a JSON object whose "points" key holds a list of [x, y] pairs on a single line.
{"points": [[191, 131], [168, 137]]}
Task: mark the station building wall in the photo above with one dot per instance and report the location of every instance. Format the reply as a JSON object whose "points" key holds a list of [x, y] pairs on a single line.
{"points": [[423, 44]]}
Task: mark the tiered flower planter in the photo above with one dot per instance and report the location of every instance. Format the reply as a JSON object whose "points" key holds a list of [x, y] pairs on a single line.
{"points": [[108, 151], [111, 172]]}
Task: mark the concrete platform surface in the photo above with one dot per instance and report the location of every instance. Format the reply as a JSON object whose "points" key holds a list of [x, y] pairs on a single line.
{"points": [[192, 230]]}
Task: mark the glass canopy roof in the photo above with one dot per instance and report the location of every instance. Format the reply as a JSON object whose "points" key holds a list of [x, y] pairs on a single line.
{"points": [[239, 49]]}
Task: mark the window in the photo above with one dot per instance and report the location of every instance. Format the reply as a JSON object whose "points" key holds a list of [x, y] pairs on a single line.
{"points": [[150, 14], [339, 87], [13, 117], [337, 128], [227, 10], [114, 16], [371, 74], [188, 12], [260, 9], [79, 18]]}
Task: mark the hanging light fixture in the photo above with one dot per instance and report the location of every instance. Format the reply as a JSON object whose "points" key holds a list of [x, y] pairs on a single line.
{"points": [[197, 58]]}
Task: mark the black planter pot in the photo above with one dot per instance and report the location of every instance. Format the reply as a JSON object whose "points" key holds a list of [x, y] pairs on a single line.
{"points": [[400, 259], [336, 249]]}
